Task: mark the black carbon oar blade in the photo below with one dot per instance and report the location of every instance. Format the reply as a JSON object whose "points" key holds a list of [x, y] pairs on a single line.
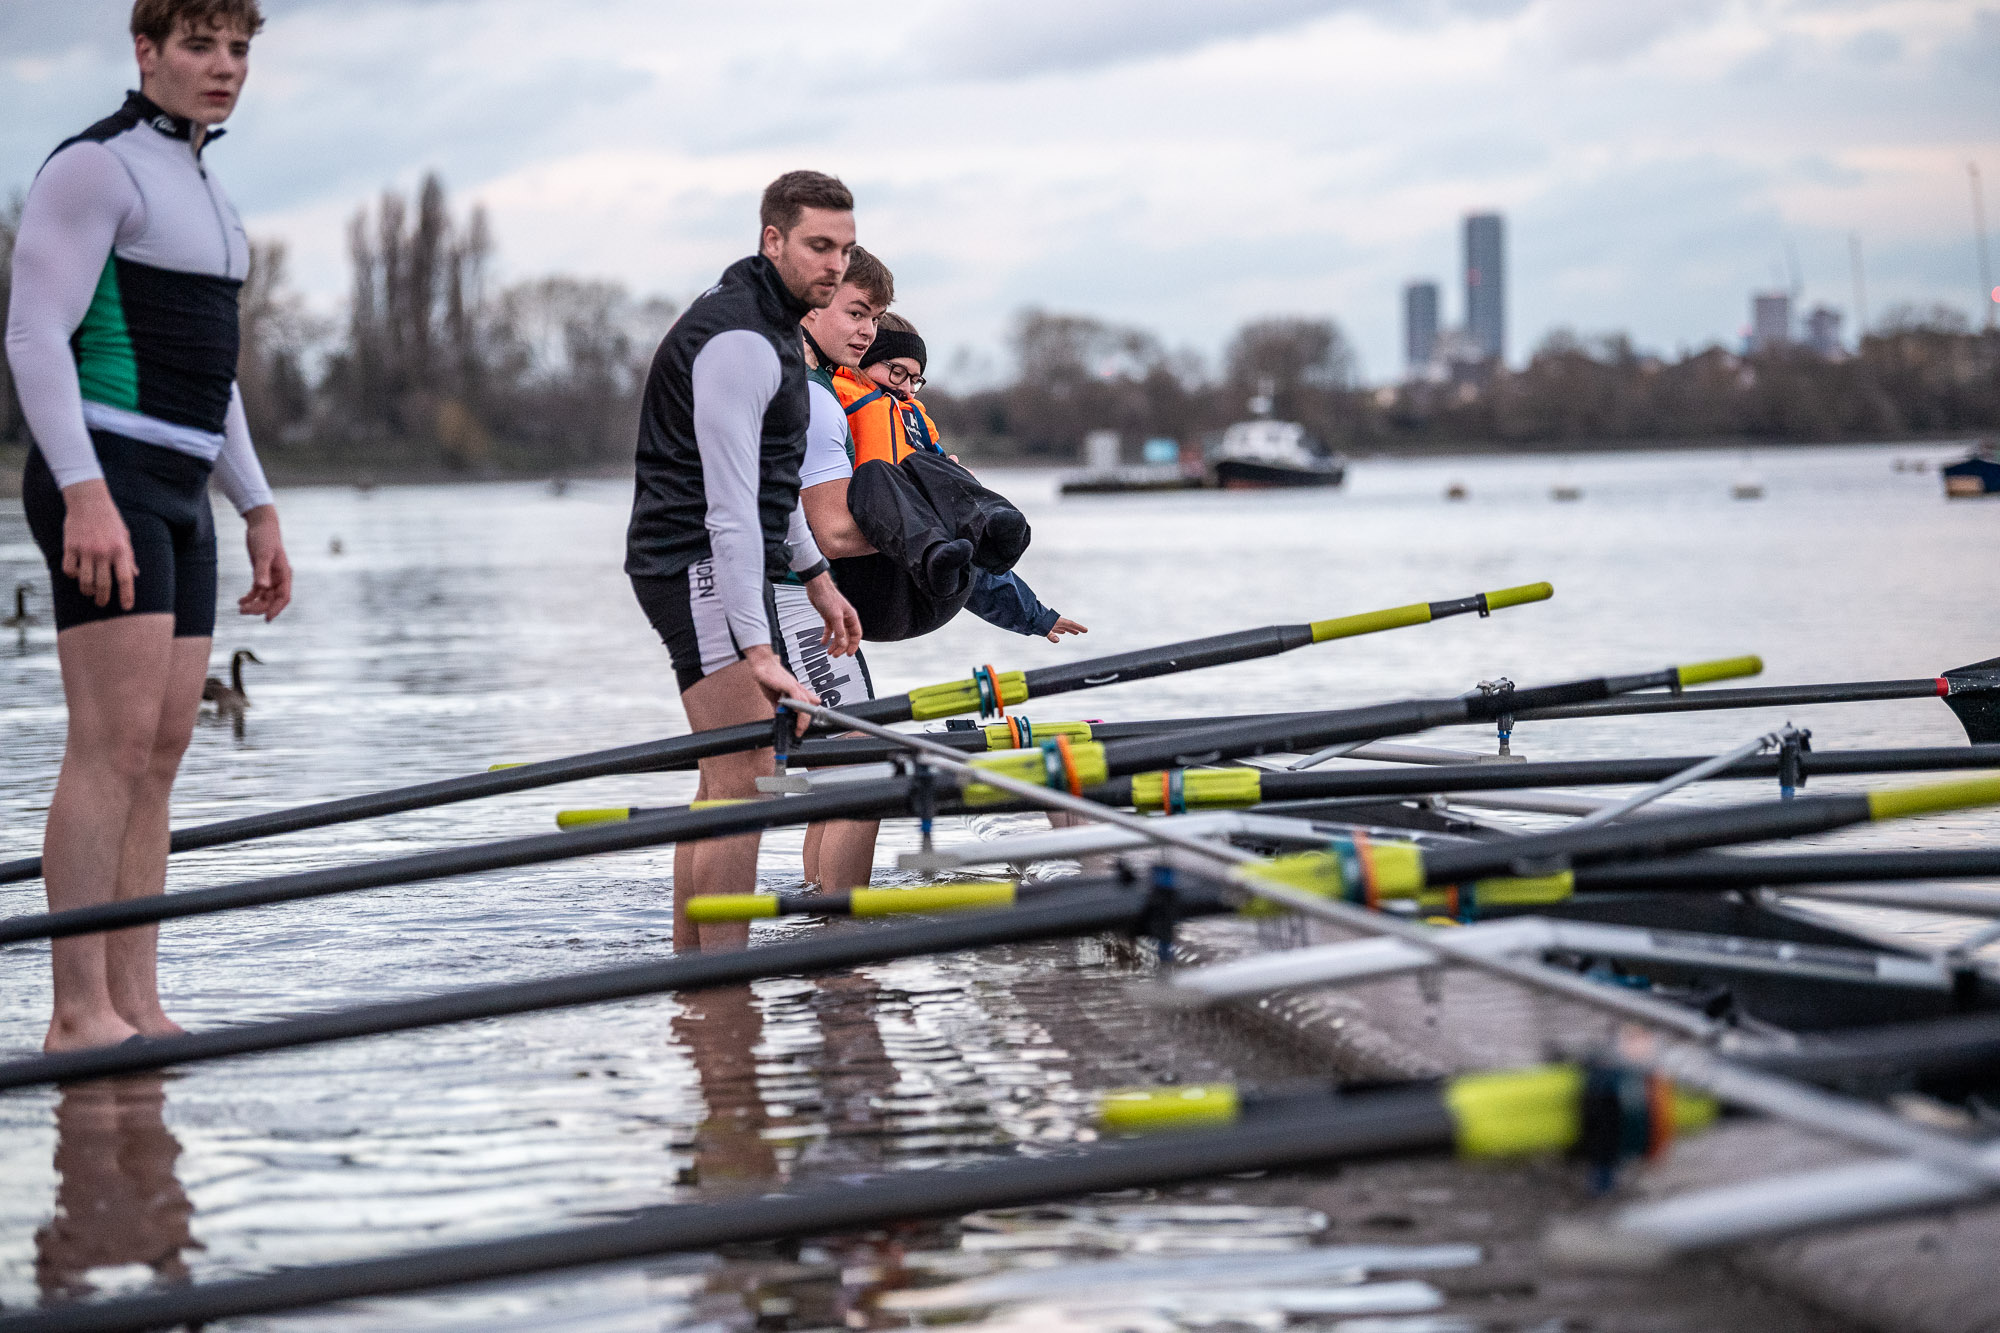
{"points": [[1973, 694]]}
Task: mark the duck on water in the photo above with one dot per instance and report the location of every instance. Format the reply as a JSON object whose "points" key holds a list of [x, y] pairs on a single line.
{"points": [[230, 700]]}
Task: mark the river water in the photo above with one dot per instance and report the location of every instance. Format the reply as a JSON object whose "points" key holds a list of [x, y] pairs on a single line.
{"points": [[437, 630]]}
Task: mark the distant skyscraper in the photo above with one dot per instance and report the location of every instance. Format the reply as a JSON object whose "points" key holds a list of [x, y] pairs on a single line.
{"points": [[1823, 332], [1770, 321], [1420, 324], [1486, 285]]}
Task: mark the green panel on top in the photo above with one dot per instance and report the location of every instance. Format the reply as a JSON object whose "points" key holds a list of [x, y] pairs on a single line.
{"points": [[106, 368]]}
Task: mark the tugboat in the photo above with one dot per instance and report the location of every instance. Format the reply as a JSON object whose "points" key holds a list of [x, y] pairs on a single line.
{"points": [[1258, 454], [1977, 474]]}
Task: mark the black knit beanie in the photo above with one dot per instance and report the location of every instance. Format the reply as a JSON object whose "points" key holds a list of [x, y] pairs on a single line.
{"points": [[891, 343]]}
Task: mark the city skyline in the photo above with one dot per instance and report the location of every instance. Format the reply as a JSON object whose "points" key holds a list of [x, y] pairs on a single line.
{"points": [[1176, 167]]}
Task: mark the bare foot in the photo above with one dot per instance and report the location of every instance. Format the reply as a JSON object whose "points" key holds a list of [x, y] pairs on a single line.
{"points": [[85, 1033], [154, 1023]]}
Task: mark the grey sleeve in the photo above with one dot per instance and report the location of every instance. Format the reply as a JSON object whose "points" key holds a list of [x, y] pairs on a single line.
{"points": [[72, 218], [799, 536], [237, 470], [736, 375]]}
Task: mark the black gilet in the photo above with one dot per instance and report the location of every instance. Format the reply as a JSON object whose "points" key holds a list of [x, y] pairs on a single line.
{"points": [[669, 504]]}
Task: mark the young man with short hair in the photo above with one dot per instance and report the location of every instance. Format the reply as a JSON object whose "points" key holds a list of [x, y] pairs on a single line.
{"points": [[715, 510], [122, 335]]}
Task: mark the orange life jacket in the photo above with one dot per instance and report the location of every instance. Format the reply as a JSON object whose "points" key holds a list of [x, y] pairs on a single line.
{"points": [[883, 426]]}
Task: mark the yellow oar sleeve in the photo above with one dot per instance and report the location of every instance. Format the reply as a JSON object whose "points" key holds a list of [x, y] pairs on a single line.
{"points": [[582, 818], [1935, 798], [1370, 622], [1034, 766], [1143, 1110], [962, 696], [1201, 789], [714, 907]]}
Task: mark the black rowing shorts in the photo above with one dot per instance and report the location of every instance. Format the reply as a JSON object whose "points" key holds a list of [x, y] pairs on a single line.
{"points": [[163, 496], [686, 612]]}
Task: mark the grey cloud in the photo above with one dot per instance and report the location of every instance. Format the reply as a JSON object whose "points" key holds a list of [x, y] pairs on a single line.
{"points": [[1874, 47], [1593, 31], [1060, 36]]}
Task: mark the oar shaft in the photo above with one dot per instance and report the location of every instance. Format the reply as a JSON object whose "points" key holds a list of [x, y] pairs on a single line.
{"points": [[1082, 913], [670, 826], [1401, 1122], [1320, 784], [1716, 871], [1657, 836], [1765, 696], [922, 704]]}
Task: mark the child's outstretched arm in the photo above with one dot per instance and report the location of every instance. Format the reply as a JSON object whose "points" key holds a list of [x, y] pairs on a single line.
{"points": [[1007, 601]]}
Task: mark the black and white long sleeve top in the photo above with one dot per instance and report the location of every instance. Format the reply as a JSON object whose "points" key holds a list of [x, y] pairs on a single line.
{"points": [[124, 310]]}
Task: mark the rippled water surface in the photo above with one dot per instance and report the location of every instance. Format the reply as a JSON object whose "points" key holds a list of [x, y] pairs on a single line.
{"points": [[460, 626]]}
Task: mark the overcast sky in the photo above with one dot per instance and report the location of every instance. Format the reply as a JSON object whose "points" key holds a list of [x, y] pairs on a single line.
{"points": [[1177, 164]]}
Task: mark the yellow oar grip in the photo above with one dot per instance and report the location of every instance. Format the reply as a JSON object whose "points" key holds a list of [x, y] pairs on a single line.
{"points": [[1201, 789], [495, 768], [1936, 797], [721, 801], [1521, 596], [1140, 1110], [1726, 668], [932, 898], [579, 818], [962, 696], [713, 907]]}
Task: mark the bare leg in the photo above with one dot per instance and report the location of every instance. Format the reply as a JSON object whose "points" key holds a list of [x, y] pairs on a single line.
{"points": [[723, 865], [684, 874], [815, 835], [847, 853], [132, 956], [115, 678]]}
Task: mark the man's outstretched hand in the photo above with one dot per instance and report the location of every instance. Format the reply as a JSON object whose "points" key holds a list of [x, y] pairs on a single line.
{"points": [[1064, 625]]}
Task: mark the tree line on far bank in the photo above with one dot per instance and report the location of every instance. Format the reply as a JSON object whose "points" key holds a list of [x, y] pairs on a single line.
{"points": [[435, 369]]}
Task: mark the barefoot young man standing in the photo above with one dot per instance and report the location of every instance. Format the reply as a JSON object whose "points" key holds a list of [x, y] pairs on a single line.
{"points": [[716, 513], [122, 336]]}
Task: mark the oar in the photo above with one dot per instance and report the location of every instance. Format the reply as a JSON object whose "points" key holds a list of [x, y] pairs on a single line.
{"points": [[1531, 870], [987, 781], [1089, 762], [1107, 904], [1239, 788], [1478, 1116], [1844, 1118], [986, 691], [1716, 872], [1971, 692]]}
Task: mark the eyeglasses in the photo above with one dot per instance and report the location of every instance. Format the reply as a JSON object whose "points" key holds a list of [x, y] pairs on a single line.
{"points": [[899, 377]]}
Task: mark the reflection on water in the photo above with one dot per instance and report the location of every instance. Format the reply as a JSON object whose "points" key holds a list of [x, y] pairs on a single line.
{"points": [[722, 1030], [118, 1205], [459, 627]]}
